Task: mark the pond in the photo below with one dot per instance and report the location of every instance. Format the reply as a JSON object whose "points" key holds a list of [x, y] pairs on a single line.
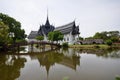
{"points": [[68, 64]]}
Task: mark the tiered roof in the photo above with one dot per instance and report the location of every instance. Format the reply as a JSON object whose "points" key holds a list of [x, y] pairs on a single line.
{"points": [[70, 27], [45, 29], [32, 35]]}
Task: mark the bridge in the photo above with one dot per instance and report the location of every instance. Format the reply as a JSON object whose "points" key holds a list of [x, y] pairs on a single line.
{"points": [[40, 43]]}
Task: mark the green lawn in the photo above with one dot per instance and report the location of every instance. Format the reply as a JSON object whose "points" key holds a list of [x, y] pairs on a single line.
{"points": [[103, 46]]}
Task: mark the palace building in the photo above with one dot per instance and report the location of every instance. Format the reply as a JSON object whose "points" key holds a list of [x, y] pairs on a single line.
{"points": [[70, 32]]}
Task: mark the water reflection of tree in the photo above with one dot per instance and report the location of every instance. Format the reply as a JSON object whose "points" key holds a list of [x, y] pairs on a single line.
{"points": [[10, 66], [107, 53], [49, 59]]}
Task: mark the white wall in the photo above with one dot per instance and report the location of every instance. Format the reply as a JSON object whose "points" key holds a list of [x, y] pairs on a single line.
{"points": [[67, 38], [45, 38], [30, 40]]}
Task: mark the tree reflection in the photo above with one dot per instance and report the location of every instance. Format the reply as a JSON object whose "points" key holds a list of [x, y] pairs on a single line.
{"points": [[10, 66], [106, 53], [60, 57]]}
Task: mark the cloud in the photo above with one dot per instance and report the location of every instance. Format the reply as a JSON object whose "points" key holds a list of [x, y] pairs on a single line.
{"points": [[92, 15]]}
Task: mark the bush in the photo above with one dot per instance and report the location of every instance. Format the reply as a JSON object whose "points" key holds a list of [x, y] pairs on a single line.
{"points": [[117, 78], [22, 40], [96, 46], [109, 42], [114, 39], [65, 45], [40, 38]]}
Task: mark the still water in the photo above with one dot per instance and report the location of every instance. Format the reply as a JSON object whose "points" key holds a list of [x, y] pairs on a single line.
{"points": [[68, 64]]}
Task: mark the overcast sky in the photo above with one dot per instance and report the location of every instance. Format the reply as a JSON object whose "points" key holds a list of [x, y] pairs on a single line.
{"points": [[91, 15]]}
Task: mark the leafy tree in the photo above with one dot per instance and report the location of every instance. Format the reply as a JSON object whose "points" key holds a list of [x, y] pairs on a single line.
{"points": [[117, 78], [3, 34], [112, 35], [50, 36], [97, 35], [55, 36], [102, 35], [14, 26], [40, 38], [114, 39], [109, 42], [60, 36], [81, 38], [89, 38]]}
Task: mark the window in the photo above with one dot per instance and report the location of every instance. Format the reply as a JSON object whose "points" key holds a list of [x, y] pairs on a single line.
{"points": [[67, 38], [64, 39]]}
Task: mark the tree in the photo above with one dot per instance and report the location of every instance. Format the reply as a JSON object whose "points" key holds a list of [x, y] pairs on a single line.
{"points": [[81, 38], [60, 36], [109, 42], [55, 36], [102, 35], [50, 36], [40, 38], [117, 78], [3, 34], [115, 39], [89, 38], [112, 35], [14, 26], [97, 35]]}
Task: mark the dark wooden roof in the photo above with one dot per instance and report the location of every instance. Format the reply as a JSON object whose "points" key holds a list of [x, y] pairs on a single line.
{"points": [[45, 29], [32, 35], [47, 22], [71, 27]]}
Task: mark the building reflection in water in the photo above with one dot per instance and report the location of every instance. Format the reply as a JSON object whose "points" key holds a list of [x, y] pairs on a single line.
{"points": [[10, 66], [70, 58], [106, 53], [66, 58]]}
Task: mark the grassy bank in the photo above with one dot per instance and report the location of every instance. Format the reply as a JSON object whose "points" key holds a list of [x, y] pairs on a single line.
{"points": [[102, 46]]}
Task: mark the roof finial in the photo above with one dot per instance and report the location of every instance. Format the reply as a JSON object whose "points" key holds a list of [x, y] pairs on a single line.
{"points": [[47, 21], [47, 12], [74, 19]]}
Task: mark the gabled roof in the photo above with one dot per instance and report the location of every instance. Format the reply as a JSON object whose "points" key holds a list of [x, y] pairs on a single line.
{"points": [[45, 29], [66, 28], [32, 35]]}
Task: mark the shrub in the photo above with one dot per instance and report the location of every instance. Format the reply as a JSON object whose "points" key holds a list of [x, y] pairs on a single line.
{"points": [[20, 41], [40, 38], [109, 42], [96, 46], [117, 78], [65, 45]]}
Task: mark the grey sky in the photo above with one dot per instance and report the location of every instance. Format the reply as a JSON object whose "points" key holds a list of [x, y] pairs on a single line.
{"points": [[91, 15]]}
